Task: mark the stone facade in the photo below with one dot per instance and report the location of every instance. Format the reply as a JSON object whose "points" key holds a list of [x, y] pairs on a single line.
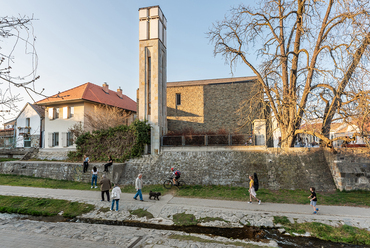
{"points": [[350, 168], [276, 170], [211, 105]]}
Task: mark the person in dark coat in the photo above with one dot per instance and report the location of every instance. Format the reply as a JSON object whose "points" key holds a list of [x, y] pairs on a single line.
{"points": [[105, 186]]}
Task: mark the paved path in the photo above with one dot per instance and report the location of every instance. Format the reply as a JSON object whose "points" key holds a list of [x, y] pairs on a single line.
{"points": [[155, 207]]}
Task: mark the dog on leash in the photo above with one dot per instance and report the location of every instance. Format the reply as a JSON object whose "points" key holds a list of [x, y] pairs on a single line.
{"points": [[154, 194]]}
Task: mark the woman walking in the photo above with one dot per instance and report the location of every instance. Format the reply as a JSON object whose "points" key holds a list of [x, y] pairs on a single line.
{"points": [[252, 192], [94, 172], [116, 195]]}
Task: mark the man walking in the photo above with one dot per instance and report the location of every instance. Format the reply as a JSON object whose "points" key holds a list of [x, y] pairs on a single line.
{"points": [[138, 187], [105, 186]]}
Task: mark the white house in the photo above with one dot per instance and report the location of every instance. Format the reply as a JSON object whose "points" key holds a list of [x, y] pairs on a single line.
{"points": [[69, 107], [29, 126]]}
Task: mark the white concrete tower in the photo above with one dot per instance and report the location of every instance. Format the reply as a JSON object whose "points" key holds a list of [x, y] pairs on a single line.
{"points": [[153, 73]]}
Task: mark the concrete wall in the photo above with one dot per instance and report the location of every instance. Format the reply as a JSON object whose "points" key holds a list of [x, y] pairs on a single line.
{"points": [[296, 169], [350, 168]]}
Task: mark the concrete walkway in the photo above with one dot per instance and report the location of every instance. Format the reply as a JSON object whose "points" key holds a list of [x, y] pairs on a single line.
{"points": [[155, 207]]}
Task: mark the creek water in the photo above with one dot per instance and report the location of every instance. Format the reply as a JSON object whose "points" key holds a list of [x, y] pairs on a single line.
{"points": [[245, 233]]}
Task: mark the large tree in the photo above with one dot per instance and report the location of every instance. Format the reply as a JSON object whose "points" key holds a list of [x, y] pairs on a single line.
{"points": [[16, 33], [304, 53]]}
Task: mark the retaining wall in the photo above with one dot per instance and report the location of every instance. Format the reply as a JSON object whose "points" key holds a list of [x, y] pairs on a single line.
{"points": [[295, 169], [350, 168], [53, 170]]}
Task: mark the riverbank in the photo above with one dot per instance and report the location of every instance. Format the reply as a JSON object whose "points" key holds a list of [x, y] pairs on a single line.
{"points": [[215, 213]]}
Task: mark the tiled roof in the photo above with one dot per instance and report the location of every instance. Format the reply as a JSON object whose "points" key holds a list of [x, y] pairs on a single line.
{"points": [[94, 93], [212, 81], [317, 126]]}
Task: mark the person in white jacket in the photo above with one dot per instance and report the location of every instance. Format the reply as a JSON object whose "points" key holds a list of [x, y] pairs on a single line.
{"points": [[138, 187], [116, 195]]}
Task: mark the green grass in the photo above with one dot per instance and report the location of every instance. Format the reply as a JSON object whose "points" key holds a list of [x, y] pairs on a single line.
{"points": [[8, 159], [344, 198], [141, 213], [27, 181], [183, 219], [344, 233], [42, 206], [198, 239]]}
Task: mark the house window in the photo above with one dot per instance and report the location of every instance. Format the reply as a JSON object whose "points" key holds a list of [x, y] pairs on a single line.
{"points": [[178, 99], [55, 139], [69, 138], [56, 113], [27, 141], [71, 112], [28, 122]]}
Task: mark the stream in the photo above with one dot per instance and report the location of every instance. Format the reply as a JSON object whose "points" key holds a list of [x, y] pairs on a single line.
{"points": [[246, 233]]}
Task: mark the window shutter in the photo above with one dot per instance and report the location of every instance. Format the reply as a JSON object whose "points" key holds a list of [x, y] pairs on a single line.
{"points": [[64, 138], [50, 139], [65, 112], [51, 113]]}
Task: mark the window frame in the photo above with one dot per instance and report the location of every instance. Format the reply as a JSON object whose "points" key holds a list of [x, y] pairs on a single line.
{"points": [[178, 99], [56, 113], [55, 139], [71, 112]]}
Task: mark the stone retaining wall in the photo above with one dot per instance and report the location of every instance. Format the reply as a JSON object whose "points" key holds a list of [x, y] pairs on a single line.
{"points": [[350, 168], [296, 169], [53, 170]]}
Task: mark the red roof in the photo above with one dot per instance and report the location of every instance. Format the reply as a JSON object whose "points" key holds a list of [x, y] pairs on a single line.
{"points": [[94, 93]]}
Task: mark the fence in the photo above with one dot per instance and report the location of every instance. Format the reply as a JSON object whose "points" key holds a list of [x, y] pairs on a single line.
{"points": [[210, 140]]}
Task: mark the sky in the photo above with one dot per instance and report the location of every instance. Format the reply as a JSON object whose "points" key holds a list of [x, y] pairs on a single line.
{"points": [[95, 41]]}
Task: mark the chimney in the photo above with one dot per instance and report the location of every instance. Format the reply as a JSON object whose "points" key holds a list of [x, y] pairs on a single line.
{"points": [[106, 87], [119, 92]]}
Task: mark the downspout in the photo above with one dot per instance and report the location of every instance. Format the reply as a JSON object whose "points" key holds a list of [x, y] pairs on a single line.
{"points": [[40, 145]]}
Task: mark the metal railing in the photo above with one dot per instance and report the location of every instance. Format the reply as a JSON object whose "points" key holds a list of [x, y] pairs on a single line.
{"points": [[209, 140]]}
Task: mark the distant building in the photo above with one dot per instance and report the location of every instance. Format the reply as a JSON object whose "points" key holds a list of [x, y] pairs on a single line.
{"points": [[69, 107], [29, 126], [211, 105]]}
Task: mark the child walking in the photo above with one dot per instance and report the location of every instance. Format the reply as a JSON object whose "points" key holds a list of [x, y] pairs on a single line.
{"points": [[252, 192], [313, 200]]}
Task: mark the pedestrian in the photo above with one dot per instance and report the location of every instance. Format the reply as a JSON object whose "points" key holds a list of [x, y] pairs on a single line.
{"points": [[138, 187], [110, 162], [105, 186], [86, 161], [94, 172], [116, 195], [313, 200], [252, 192]]}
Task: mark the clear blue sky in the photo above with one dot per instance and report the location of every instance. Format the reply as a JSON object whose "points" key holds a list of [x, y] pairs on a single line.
{"points": [[97, 41]]}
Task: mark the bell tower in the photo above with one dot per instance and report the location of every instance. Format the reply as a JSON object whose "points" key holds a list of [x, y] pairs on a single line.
{"points": [[152, 95]]}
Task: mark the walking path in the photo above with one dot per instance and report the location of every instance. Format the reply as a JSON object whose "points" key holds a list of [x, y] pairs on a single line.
{"points": [[235, 212]]}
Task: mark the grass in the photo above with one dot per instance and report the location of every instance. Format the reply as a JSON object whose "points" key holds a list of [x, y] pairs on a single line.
{"points": [[42, 206], [344, 233], [8, 159], [141, 213], [183, 219], [198, 239], [209, 219], [344, 198]]}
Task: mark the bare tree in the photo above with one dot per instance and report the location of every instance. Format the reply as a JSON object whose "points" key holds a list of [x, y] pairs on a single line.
{"points": [[104, 116], [15, 31], [306, 51]]}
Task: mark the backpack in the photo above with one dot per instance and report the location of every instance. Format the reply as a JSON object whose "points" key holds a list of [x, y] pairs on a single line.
{"points": [[255, 182], [177, 173]]}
